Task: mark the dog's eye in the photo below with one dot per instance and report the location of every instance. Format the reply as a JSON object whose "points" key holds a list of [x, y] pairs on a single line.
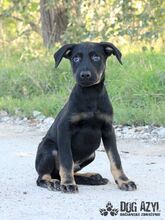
{"points": [[76, 59], [95, 58]]}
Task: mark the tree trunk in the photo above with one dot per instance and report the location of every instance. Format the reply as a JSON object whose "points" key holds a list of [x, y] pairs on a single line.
{"points": [[53, 23]]}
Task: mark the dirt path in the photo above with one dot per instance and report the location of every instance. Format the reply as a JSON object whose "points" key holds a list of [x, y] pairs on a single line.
{"points": [[20, 198]]}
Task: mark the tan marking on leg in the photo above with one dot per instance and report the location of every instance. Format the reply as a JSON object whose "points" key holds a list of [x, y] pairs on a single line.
{"points": [[54, 152], [85, 174], [51, 184], [67, 177], [118, 174], [46, 177]]}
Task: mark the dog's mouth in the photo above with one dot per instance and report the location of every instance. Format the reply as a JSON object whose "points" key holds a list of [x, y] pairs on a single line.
{"points": [[86, 84], [92, 82]]}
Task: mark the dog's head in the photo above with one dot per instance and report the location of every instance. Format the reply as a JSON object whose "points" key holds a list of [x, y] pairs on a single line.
{"points": [[88, 60]]}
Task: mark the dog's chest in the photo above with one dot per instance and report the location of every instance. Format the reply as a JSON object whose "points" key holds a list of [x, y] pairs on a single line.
{"points": [[90, 117], [86, 132]]}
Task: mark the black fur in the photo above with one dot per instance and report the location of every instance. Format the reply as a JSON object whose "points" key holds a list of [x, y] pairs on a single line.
{"points": [[71, 141]]}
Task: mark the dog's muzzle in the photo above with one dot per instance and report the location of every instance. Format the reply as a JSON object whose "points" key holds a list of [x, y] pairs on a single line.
{"points": [[86, 78], [85, 75]]}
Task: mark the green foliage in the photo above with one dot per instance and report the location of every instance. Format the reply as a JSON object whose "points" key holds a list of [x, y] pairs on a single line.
{"points": [[136, 89], [18, 19], [131, 20], [28, 80], [88, 20]]}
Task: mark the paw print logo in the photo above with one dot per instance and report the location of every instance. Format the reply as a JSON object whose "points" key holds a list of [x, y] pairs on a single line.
{"points": [[103, 212], [109, 206], [109, 209], [114, 212]]}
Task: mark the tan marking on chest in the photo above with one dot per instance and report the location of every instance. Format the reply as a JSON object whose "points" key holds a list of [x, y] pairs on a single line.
{"points": [[76, 117], [104, 117]]}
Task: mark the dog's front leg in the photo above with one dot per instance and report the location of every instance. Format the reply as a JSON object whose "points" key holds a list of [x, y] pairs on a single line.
{"points": [[66, 160], [109, 141]]}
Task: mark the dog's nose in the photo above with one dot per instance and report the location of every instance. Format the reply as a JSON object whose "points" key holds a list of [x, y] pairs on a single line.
{"points": [[85, 75]]}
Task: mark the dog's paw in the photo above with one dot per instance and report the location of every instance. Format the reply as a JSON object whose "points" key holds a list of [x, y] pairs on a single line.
{"points": [[128, 186], [54, 185], [114, 212], [97, 179], [109, 206], [69, 188], [103, 212]]}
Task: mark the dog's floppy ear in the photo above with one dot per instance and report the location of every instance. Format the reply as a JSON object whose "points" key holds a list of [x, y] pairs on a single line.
{"points": [[64, 51], [110, 49]]}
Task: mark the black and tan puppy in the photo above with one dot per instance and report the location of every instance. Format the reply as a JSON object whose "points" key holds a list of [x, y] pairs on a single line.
{"points": [[86, 118]]}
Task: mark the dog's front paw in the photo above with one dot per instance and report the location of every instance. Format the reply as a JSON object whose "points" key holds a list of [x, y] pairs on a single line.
{"points": [[127, 186], [54, 185], [69, 188]]}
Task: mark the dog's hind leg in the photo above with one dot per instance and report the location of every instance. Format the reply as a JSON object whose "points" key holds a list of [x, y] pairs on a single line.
{"points": [[88, 178], [46, 166]]}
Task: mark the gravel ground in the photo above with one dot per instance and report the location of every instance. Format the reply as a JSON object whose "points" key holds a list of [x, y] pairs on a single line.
{"points": [[20, 198], [148, 133]]}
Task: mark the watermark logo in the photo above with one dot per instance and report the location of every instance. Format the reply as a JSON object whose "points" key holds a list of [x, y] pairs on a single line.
{"points": [[109, 209], [132, 209]]}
